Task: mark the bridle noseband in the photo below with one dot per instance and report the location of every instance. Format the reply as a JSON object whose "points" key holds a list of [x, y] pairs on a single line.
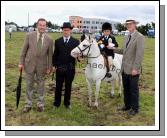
{"points": [[81, 51]]}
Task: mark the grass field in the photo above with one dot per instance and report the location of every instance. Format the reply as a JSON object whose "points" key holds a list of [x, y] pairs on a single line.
{"points": [[80, 114]]}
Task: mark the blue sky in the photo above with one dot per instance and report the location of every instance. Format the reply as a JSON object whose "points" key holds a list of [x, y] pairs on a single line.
{"points": [[60, 14]]}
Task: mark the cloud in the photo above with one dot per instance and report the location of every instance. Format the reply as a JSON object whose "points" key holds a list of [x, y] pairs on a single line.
{"points": [[60, 13]]}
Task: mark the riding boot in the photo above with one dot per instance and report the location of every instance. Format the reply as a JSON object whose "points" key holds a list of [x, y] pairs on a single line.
{"points": [[108, 75]]}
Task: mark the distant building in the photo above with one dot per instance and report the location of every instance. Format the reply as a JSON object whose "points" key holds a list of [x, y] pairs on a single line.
{"points": [[30, 29], [22, 29], [14, 27], [76, 22], [90, 24]]}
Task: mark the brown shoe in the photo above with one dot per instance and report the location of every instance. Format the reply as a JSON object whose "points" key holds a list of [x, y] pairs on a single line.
{"points": [[40, 108], [26, 109]]}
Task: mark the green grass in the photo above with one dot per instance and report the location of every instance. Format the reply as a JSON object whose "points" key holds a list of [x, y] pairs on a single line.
{"points": [[80, 114]]}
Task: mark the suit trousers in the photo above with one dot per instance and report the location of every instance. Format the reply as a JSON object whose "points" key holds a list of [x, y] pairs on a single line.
{"points": [[131, 91], [30, 88], [63, 75]]}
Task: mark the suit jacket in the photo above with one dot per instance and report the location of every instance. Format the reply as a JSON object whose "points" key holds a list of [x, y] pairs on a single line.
{"points": [[133, 53], [109, 52], [62, 53], [29, 57]]}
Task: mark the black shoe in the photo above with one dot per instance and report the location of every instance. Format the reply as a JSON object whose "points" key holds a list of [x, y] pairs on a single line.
{"points": [[40, 108], [124, 108], [56, 104], [132, 112], [108, 75]]}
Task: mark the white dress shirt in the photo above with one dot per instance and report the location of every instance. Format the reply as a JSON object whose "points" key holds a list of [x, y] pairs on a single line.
{"points": [[38, 35], [66, 38]]}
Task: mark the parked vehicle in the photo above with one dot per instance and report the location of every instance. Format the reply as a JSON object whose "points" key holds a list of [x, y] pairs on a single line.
{"points": [[75, 30], [151, 33], [125, 32], [115, 32]]}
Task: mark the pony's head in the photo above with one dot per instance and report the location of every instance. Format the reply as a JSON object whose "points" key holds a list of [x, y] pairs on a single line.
{"points": [[84, 48]]}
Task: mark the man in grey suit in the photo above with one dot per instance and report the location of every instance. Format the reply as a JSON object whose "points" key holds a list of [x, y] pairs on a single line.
{"points": [[36, 60], [133, 52]]}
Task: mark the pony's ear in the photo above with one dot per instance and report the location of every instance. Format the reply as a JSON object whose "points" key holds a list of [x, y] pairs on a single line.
{"points": [[89, 38], [93, 36], [83, 38]]}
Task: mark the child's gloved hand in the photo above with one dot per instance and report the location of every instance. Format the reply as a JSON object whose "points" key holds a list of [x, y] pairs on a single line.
{"points": [[102, 46]]}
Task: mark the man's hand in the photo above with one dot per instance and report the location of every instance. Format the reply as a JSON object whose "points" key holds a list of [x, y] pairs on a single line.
{"points": [[109, 47], [54, 69], [134, 72], [21, 67], [48, 71]]}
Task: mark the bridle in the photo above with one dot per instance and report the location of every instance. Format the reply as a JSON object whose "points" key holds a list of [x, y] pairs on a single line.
{"points": [[81, 51], [88, 46]]}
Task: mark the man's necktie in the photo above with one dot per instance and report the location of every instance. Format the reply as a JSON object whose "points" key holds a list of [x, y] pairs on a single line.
{"points": [[39, 44], [129, 38], [66, 41]]}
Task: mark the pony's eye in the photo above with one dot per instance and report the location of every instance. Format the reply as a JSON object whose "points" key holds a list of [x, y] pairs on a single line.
{"points": [[84, 45]]}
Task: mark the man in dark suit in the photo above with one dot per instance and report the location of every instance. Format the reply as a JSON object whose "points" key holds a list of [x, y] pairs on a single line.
{"points": [[64, 64], [105, 43]]}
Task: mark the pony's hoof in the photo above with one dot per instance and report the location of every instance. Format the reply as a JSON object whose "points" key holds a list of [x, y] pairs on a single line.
{"points": [[96, 105]]}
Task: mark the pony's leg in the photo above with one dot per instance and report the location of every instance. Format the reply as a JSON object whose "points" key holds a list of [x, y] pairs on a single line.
{"points": [[120, 84], [98, 82], [89, 92], [112, 88]]}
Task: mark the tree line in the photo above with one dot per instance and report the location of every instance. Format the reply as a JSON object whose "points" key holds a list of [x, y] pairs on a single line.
{"points": [[49, 25], [142, 28], [120, 27]]}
